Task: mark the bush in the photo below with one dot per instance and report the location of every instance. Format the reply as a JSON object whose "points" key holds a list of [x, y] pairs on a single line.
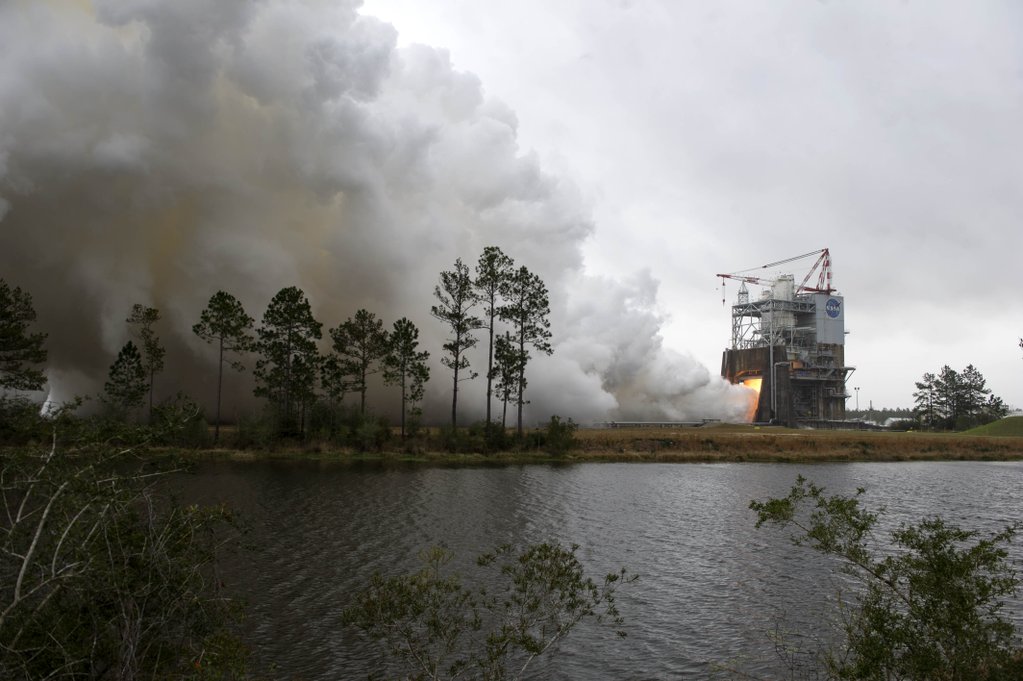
{"points": [[928, 609], [434, 627], [255, 431], [560, 435], [103, 577], [180, 422], [21, 422], [370, 434]]}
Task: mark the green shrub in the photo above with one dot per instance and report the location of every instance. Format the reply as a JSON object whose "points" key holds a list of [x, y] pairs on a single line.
{"points": [[255, 431], [559, 436], [180, 422], [103, 576], [21, 422], [929, 608]]}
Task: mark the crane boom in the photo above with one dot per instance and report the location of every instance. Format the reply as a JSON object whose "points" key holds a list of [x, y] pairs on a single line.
{"points": [[823, 262]]}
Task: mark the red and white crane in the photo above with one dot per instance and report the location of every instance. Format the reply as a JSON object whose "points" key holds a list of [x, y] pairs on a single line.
{"points": [[822, 265]]}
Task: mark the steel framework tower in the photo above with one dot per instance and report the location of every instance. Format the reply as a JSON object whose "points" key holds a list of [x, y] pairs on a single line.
{"points": [[789, 343]]}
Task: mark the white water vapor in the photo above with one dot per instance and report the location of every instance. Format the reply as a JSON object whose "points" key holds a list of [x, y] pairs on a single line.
{"points": [[156, 152]]}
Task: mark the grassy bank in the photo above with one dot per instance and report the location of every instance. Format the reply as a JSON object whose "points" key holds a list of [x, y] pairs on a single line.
{"points": [[712, 443], [749, 443]]}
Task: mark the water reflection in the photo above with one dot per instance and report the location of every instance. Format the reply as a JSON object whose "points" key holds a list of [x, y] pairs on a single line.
{"points": [[712, 588]]}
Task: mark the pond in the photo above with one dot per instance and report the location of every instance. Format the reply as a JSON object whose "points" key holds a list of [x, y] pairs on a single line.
{"points": [[713, 591]]}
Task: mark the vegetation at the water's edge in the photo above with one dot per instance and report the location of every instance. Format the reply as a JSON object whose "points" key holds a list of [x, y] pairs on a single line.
{"points": [[102, 575], [930, 602]]}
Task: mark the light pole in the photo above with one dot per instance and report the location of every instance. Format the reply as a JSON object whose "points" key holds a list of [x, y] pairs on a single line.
{"points": [[857, 389]]}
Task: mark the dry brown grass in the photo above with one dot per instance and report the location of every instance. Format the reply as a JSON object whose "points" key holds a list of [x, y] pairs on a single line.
{"points": [[711, 443], [749, 443]]}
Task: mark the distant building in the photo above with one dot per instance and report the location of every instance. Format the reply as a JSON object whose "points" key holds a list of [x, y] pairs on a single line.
{"points": [[789, 344]]}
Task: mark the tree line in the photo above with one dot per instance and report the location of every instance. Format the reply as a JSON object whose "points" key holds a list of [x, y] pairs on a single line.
{"points": [[291, 372], [956, 400]]}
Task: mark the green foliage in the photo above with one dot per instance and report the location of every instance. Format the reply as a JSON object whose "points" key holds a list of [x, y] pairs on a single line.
{"points": [[143, 318], [406, 367], [19, 349], [102, 577], [369, 433], [225, 322], [179, 421], [509, 370], [333, 379], [435, 627], [493, 272], [559, 436], [527, 309], [20, 421], [456, 298], [478, 438], [125, 387], [929, 608], [256, 431], [360, 344], [956, 400], [289, 361], [347, 426]]}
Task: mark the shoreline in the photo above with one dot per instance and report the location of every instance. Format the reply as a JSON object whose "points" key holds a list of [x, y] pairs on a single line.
{"points": [[725, 444]]}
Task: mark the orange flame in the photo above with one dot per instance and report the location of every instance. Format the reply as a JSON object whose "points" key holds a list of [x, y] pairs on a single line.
{"points": [[754, 385]]}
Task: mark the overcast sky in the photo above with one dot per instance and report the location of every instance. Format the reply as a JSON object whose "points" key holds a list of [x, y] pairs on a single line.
{"points": [[713, 137], [154, 152]]}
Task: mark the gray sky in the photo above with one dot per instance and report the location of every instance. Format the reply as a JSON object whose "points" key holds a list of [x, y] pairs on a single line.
{"points": [[154, 152], [713, 137]]}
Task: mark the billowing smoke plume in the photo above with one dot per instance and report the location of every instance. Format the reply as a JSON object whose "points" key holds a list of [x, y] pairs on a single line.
{"points": [[156, 152]]}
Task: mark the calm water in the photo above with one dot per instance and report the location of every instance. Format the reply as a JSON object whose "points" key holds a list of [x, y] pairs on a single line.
{"points": [[713, 590]]}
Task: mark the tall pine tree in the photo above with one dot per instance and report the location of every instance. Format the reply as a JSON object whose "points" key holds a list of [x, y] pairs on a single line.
{"points": [[508, 369], [125, 388], [142, 318], [360, 343], [225, 323], [493, 272], [288, 359], [405, 366], [527, 310], [456, 300]]}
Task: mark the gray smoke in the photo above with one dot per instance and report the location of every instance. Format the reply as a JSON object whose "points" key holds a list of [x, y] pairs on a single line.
{"points": [[156, 152]]}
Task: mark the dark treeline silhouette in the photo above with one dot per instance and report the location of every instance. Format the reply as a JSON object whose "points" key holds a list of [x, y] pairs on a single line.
{"points": [[303, 384]]}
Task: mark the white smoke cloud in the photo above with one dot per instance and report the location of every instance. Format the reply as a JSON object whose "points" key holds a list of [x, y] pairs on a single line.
{"points": [[156, 152]]}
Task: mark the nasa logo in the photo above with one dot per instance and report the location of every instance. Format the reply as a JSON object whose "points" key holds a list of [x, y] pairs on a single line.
{"points": [[833, 308]]}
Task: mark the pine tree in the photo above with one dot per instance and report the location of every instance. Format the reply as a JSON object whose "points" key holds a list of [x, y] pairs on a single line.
{"points": [[125, 388], [924, 398], [527, 310], [456, 298], [360, 343], [956, 399], [287, 367], [405, 366], [143, 318], [947, 396], [508, 368], [19, 349], [974, 392], [493, 271], [225, 322]]}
